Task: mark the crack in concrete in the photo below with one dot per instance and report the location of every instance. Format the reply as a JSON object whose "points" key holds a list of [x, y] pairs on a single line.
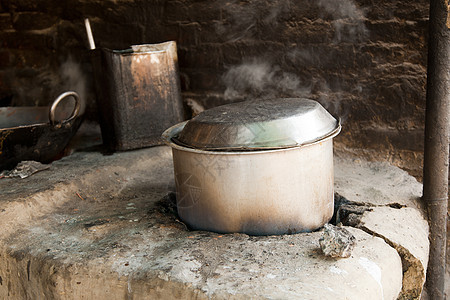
{"points": [[412, 268], [351, 213]]}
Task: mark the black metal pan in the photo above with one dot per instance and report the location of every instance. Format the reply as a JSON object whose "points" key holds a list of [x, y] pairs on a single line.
{"points": [[37, 133]]}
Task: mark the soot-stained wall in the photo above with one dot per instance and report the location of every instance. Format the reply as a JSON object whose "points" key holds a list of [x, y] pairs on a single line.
{"points": [[364, 60]]}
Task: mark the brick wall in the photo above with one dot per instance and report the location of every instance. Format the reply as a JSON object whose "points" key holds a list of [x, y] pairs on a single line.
{"points": [[363, 60]]}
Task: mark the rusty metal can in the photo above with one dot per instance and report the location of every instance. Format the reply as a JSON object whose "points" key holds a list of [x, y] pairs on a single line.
{"points": [[138, 94]]}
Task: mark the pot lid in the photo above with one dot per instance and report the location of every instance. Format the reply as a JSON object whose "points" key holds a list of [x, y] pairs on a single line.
{"points": [[259, 124]]}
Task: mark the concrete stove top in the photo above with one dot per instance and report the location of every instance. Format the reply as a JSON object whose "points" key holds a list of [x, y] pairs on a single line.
{"points": [[96, 226]]}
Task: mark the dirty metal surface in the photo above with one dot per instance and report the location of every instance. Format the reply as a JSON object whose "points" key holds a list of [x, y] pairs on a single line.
{"points": [[138, 94], [41, 142], [30, 133], [255, 192]]}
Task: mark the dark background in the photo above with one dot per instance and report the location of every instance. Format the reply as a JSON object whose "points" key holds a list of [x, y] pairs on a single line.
{"points": [[364, 60]]}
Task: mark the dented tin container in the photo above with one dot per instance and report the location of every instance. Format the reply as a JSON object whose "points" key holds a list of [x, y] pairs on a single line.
{"points": [[258, 167], [138, 94]]}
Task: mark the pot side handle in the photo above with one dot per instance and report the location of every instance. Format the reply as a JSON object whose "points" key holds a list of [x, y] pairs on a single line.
{"points": [[75, 112]]}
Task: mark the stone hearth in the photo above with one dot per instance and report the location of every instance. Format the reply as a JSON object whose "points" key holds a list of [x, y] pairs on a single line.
{"points": [[103, 226]]}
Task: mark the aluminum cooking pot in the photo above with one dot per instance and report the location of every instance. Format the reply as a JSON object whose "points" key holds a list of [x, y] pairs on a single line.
{"points": [[258, 167]]}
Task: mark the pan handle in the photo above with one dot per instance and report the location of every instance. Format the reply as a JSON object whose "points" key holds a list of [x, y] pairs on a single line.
{"points": [[76, 109]]}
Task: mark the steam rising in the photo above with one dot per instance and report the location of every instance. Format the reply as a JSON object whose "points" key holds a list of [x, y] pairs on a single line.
{"points": [[348, 19], [242, 19], [261, 79], [73, 79]]}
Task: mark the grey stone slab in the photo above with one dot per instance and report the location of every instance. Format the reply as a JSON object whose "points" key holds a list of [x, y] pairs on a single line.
{"points": [[98, 226], [376, 183]]}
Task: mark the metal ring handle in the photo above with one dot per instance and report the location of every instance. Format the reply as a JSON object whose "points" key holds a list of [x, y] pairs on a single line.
{"points": [[75, 111]]}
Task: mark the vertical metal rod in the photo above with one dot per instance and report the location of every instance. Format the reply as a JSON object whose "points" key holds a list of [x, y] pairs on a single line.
{"points": [[89, 34], [435, 182]]}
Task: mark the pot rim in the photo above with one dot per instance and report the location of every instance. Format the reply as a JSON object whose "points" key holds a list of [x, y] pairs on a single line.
{"points": [[258, 124], [171, 133]]}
